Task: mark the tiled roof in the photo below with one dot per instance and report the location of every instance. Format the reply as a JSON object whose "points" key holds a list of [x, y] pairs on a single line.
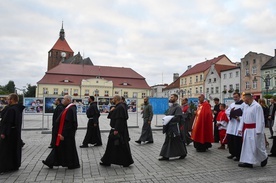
{"points": [[202, 66], [62, 45], [271, 63], [175, 84], [75, 73], [220, 68]]}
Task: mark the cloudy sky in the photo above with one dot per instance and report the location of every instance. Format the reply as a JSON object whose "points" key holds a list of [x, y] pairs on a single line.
{"points": [[150, 36]]}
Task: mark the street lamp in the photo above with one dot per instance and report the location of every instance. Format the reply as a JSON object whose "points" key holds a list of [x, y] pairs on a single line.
{"points": [[266, 81]]}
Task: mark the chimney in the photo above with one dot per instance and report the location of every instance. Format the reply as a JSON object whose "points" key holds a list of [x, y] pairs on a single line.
{"points": [[189, 67], [175, 76]]}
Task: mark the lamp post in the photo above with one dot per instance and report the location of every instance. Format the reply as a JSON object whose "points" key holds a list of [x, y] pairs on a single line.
{"points": [[266, 81]]}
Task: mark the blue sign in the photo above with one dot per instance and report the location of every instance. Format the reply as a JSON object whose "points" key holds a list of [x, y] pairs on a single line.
{"points": [[159, 105], [193, 100]]}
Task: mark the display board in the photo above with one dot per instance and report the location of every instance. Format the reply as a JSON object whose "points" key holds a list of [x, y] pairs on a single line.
{"points": [[33, 105], [159, 105]]}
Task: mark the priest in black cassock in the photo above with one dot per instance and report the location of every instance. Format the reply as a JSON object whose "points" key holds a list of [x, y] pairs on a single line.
{"points": [[93, 133], [117, 149], [58, 110], [174, 145], [65, 152], [10, 130]]}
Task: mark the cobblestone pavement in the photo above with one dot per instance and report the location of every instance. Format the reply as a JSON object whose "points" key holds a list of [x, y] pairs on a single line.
{"points": [[211, 166]]}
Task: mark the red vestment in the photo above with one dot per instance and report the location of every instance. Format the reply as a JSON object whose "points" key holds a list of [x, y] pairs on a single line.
{"points": [[222, 118], [202, 131]]}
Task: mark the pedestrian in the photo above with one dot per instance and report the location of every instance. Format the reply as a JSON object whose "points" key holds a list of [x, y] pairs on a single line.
{"points": [[265, 110], [93, 133], [216, 110], [202, 132], [234, 139], [222, 122], [272, 109], [65, 152], [117, 149], [273, 148], [147, 114], [174, 145], [187, 117], [252, 126], [10, 139], [58, 110]]}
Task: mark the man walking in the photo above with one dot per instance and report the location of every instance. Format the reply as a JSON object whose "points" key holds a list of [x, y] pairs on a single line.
{"points": [[234, 139], [272, 108], [187, 115], [93, 133], [146, 134], [65, 152], [202, 133], [216, 110], [174, 145], [252, 127], [58, 110]]}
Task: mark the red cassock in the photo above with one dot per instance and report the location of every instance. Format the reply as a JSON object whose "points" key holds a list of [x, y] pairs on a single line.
{"points": [[202, 131]]}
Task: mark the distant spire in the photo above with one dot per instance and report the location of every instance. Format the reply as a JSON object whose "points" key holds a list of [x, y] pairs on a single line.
{"points": [[62, 33]]}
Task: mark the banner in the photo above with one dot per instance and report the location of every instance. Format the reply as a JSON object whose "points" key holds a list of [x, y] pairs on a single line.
{"points": [[33, 105]]}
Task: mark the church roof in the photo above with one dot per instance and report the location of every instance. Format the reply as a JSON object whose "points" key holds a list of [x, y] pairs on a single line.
{"points": [[77, 59], [62, 45], [75, 73]]}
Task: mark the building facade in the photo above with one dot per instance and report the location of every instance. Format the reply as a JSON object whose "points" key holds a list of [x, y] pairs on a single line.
{"points": [[157, 90]]}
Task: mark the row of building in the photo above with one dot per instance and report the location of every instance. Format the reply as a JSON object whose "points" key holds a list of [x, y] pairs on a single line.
{"points": [[218, 77]]}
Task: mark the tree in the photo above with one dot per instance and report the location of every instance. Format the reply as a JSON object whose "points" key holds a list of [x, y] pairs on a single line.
{"points": [[10, 87], [30, 91]]}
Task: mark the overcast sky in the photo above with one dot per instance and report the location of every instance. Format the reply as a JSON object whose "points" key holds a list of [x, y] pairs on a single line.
{"points": [[150, 36]]}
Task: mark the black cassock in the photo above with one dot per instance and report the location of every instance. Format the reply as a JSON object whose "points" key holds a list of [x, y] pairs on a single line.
{"points": [[174, 144], [93, 134], [11, 145], [58, 110], [66, 154], [117, 149]]}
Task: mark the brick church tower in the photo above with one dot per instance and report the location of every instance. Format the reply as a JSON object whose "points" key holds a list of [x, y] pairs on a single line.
{"points": [[60, 51]]}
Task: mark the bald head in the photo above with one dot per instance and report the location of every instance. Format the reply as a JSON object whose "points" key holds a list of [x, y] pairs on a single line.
{"points": [[201, 98], [117, 99], [67, 99]]}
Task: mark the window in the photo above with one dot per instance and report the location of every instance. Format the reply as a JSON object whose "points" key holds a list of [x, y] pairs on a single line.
{"points": [[126, 94], [200, 89], [65, 91], [267, 72], [56, 54], [254, 61], [185, 81], [55, 91], [237, 86], [116, 93], [45, 91], [200, 77], [190, 91], [209, 81], [237, 73], [246, 62], [181, 81], [190, 80], [254, 70], [207, 90], [246, 72], [217, 89], [247, 86], [230, 87], [106, 93], [96, 93], [135, 94], [143, 95], [254, 84], [212, 89], [86, 92], [196, 90], [196, 79], [230, 74], [215, 80], [224, 76], [212, 72], [76, 92], [224, 87]]}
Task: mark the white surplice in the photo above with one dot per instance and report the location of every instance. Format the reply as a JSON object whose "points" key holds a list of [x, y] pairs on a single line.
{"points": [[233, 124], [253, 146]]}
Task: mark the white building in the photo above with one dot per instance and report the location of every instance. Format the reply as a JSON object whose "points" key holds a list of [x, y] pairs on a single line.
{"points": [[230, 82], [157, 90]]}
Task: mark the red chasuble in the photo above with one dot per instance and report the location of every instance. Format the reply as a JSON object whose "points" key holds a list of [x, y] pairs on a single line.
{"points": [[202, 131], [222, 116], [61, 123]]}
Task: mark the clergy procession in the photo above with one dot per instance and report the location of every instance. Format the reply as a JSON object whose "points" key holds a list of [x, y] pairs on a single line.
{"points": [[239, 127]]}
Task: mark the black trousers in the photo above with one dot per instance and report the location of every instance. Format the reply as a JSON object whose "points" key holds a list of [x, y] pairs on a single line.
{"points": [[234, 145]]}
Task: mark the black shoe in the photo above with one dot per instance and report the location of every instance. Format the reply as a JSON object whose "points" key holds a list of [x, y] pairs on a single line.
{"points": [[138, 141], [236, 159], [104, 164], [270, 137], [272, 155], [44, 162], [74, 167], [230, 157], [163, 159], [23, 143], [51, 147], [245, 165], [150, 142], [264, 162], [98, 145], [182, 157], [83, 146]]}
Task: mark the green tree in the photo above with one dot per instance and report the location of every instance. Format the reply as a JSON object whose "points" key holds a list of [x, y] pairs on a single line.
{"points": [[30, 91], [10, 87]]}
